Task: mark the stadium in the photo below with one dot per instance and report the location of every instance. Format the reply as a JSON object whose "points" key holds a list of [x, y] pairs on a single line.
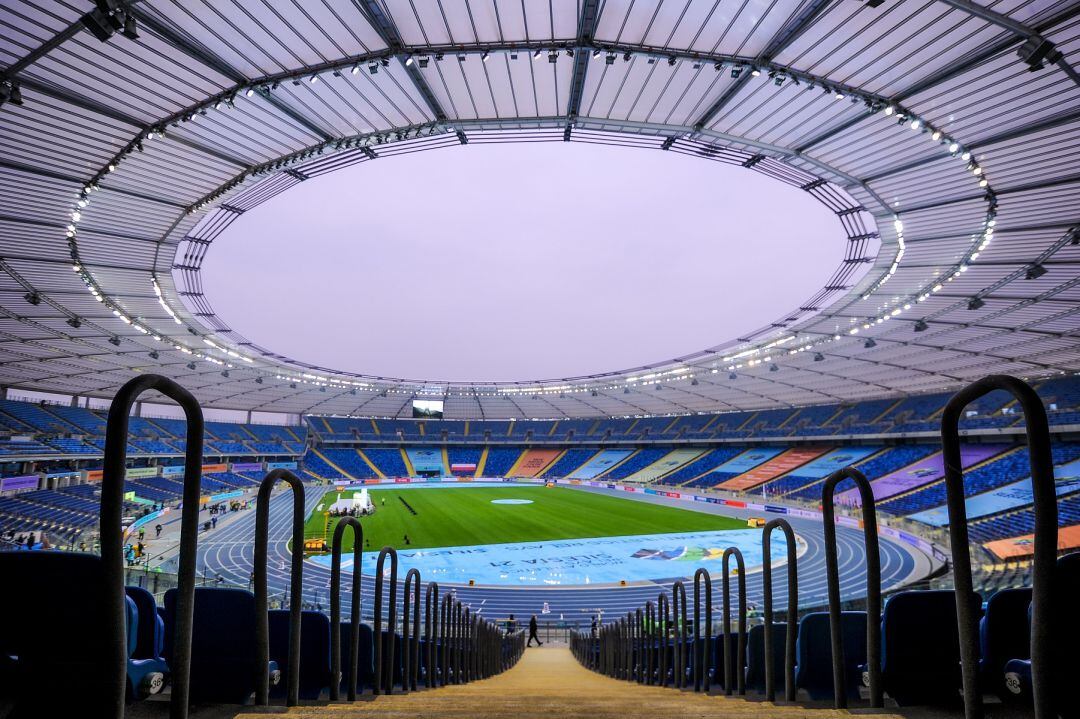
{"points": [[586, 359]]}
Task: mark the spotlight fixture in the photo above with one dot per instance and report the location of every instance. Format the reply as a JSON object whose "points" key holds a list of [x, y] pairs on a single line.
{"points": [[154, 354], [920, 326], [115, 341], [409, 61], [774, 368], [975, 303], [593, 393], [191, 365], [1037, 51], [385, 62], [258, 380], [537, 54], [10, 92], [869, 343], [373, 68], [1034, 272], [818, 357], [323, 388], [33, 298], [595, 54], [553, 56], [693, 382], [627, 55], [423, 61], [292, 385], [672, 60], [736, 70], [225, 373], [485, 56], [74, 322], [732, 376], [626, 390]]}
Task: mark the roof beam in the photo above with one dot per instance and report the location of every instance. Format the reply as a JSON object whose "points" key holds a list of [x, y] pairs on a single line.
{"points": [[114, 114], [387, 30], [1045, 124], [19, 167], [587, 22], [190, 47], [789, 33], [1011, 190]]}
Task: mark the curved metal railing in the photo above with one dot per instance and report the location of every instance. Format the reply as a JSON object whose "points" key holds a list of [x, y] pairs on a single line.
{"points": [[792, 609], [354, 608], [114, 470], [701, 650], [296, 581], [384, 656], [410, 640], [1046, 530], [873, 587], [431, 631], [734, 667], [679, 614]]}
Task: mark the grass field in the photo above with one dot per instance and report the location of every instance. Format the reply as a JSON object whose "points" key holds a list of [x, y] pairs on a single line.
{"points": [[466, 516]]}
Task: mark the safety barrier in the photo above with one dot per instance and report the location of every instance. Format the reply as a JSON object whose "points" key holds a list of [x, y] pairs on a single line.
{"points": [[410, 640], [701, 653], [873, 587], [1045, 498], [431, 631], [296, 584], [739, 662], [354, 608], [384, 656], [114, 467], [792, 609]]}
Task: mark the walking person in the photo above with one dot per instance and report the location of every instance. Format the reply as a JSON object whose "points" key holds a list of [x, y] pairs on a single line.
{"points": [[533, 634]]}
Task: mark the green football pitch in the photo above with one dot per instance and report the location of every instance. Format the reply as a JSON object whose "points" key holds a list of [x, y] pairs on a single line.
{"points": [[464, 516]]}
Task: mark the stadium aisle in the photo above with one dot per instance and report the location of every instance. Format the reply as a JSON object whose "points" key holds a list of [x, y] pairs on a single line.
{"points": [[549, 682]]}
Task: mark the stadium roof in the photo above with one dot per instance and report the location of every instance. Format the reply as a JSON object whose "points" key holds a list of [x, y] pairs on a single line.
{"points": [[944, 135]]}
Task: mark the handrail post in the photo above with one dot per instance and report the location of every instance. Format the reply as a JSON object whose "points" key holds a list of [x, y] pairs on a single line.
{"points": [[1046, 533], [737, 667], [354, 608], [678, 611], [701, 646], [114, 470], [639, 663], [792, 609], [296, 581], [650, 650], [873, 587], [384, 656], [431, 630], [410, 640]]}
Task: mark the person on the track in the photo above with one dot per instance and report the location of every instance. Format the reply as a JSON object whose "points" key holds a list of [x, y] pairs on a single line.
{"points": [[533, 634]]}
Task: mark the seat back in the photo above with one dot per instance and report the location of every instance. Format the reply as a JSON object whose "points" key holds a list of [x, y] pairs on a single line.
{"points": [[1004, 634], [151, 628], [53, 618], [813, 651], [223, 656], [755, 657], [1066, 618], [717, 643], [920, 647], [314, 652], [365, 672]]}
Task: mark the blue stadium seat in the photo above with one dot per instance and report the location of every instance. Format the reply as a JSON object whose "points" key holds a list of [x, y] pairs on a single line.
{"points": [[1003, 635], [223, 652], [314, 652], [145, 675], [813, 653], [920, 647], [755, 657], [365, 673], [1065, 660], [53, 632], [717, 673]]}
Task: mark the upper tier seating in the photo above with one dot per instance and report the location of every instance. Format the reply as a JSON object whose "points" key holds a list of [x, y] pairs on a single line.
{"points": [[639, 460], [350, 461], [500, 460], [571, 460], [389, 461], [702, 465]]}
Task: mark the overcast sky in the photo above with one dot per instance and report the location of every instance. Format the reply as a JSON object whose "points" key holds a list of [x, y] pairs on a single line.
{"points": [[519, 261]]}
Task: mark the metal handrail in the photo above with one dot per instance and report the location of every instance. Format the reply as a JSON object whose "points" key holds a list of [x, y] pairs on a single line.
{"points": [[650, 645], [296, 581], [663, 615], [431, 630], [384, 656], [354, 609], [792, 609], [730, 666], [1046, 532], [678, 610], [701, 649], [410, 640], [114, 470], [873, 587]]}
